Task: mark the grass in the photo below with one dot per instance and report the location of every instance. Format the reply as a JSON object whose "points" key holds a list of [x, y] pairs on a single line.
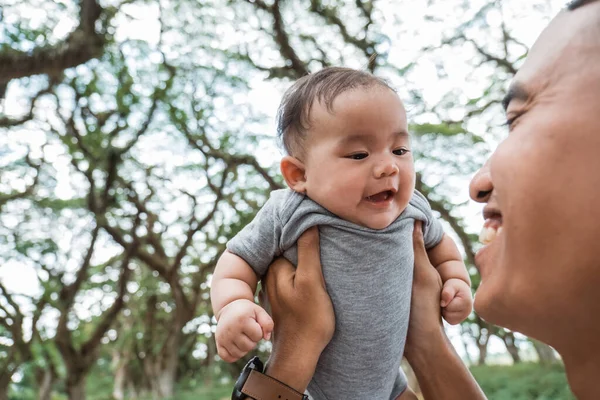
{"points": [[526, 381]]}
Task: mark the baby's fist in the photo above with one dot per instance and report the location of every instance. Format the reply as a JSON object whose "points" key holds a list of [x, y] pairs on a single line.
{"points": [[242, 324], [457, 301]]}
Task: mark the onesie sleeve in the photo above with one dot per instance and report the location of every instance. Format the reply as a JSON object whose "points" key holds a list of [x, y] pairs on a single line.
{"points": [[258, 242], [433, 232]]}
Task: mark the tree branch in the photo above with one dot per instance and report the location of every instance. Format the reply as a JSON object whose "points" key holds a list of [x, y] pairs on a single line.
{"points": [[281, 36], [82, 45]]}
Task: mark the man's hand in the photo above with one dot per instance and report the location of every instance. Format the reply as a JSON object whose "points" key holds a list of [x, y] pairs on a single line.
{"points": [[242, 324], [425, 311], [439, 370], [302, 312]]}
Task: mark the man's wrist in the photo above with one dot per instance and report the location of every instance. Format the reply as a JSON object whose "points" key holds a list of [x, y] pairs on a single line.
{"points": [[294, 368], [430, 344]]}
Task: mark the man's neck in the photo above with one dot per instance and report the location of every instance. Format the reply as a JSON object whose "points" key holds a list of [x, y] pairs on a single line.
{"points": [[582, 364]]}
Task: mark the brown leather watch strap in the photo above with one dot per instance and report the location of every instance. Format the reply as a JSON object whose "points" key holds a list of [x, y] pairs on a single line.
{"points": [[262, 387]]}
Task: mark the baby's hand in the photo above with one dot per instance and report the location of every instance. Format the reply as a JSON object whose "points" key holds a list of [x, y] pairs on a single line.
{"points": [[241, 326], [457, 302]]}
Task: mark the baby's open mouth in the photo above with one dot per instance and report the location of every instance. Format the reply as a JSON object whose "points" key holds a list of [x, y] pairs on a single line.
{"points": [[381, 196], [492, 227]]}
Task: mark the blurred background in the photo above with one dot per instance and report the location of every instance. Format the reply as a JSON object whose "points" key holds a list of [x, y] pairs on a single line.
{"points": [[137, 136]]}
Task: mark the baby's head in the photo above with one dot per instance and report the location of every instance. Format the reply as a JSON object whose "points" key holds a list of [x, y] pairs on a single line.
{"points": [[346, 138]]}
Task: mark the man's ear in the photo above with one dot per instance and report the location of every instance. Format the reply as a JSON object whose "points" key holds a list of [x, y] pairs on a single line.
{"points": [[293, 172]]}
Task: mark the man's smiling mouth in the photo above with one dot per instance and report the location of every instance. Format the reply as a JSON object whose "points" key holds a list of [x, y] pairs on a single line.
{"points": [[492, 226]]}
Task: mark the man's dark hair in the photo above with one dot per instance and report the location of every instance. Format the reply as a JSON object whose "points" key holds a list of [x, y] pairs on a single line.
{"points": [[578, 3], [293, 116]]}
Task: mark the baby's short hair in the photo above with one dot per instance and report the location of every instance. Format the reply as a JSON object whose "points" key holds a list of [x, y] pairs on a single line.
{"points": [[293, 116]]}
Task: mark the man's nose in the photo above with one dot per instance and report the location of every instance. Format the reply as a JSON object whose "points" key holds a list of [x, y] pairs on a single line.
{"points": [[386, 167], [481, 186]]}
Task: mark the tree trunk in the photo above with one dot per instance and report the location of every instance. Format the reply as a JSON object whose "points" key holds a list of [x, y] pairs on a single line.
{"points": [[482, 353], [465, 347], [545, 353], [132, 391], [120, 363], [513, 350], [511, 346], [161, 369], [5, 380], [46, 380], [76, 387]]}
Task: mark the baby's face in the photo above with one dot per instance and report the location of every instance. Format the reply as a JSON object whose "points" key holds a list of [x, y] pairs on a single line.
{"points": [[358, 160]]}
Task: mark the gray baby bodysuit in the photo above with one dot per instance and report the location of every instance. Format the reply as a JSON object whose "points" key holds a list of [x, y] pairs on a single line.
{"points": [[368, 274]]}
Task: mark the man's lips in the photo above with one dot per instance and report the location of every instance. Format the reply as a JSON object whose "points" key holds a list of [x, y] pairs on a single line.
{"points": [[492, 226]]}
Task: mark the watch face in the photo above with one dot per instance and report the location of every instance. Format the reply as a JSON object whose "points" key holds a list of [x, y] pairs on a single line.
{"points": [[254, 363]]}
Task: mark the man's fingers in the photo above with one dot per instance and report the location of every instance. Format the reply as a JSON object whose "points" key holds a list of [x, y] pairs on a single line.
{"points": [[419, 243], [280, 269], [309, 256], [266, 323]]}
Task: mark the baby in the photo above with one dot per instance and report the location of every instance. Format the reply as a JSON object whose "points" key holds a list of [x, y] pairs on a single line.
{"points": [[350, 171]]}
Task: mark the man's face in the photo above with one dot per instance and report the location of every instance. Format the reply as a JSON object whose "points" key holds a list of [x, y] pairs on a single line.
{"points": [[541, 272], [358, 162]]}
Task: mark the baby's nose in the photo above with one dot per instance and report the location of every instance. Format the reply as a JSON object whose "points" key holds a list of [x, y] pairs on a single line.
{"points": [[386, 168]]}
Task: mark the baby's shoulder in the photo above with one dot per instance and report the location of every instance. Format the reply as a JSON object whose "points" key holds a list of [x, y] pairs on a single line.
{"points": [[282, 203], [419, 201]]}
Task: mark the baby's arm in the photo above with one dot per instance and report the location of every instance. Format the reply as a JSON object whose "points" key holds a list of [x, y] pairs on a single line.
{"points": [[456, 294], [241, 323]]}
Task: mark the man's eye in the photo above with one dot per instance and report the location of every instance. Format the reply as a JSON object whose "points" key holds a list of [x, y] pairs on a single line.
{"points": [[510, 122], [357, 156], [401, 151]]}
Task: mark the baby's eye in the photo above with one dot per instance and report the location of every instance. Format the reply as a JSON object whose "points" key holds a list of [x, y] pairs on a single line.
{"points": [[401, 151], [357, 156]]}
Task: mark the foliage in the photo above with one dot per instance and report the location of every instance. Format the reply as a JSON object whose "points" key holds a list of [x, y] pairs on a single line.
{"points": [[523, 382]]}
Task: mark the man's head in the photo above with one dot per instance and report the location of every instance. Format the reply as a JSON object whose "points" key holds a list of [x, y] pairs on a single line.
{"points": [[541, 273], [346, 136]]}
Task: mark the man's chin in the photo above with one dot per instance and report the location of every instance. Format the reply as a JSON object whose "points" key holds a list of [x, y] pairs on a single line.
{"points": [[495, 305]]}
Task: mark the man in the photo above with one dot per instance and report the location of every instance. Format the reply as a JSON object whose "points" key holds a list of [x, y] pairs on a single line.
{"points": [[540, 275]]}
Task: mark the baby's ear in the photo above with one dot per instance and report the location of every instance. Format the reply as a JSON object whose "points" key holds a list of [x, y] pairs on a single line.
{"points": [[293, 172]]}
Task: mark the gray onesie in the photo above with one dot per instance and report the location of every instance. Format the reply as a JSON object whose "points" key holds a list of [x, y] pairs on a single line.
{"points": [[368, 274]]}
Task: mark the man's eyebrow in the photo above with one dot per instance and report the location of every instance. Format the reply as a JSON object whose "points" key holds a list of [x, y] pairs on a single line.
{"points": [[516, 91]]}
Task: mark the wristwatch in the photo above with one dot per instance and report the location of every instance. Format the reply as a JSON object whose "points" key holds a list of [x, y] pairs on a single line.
{"points": [[254, 384]]}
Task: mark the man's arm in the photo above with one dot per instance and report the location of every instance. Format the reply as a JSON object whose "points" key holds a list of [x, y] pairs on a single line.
{"points": [[303, 314], [439, 370]]}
